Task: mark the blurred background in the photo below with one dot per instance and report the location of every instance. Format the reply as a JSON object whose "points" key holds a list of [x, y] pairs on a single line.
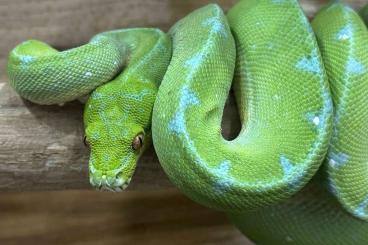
{"points": [[44, 192]]}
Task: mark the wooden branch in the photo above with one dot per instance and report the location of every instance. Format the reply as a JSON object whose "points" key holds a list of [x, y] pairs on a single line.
{"points": [[94, 218], [41, 146]]}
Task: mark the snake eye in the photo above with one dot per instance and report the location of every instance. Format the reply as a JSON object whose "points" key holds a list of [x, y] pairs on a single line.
{"points": [[85, 141], [138, 142]]}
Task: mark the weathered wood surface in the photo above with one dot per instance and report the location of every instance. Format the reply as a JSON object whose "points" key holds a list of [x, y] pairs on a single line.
{"points": [[41, 146], [92, 218]]}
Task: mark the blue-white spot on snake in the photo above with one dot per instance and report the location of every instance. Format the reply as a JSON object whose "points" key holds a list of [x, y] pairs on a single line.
{"points": [[26, 58], [216, 26], [345, 33], [286, 165], [310, 63], [361, 209], [338, 160], [355, 67]]}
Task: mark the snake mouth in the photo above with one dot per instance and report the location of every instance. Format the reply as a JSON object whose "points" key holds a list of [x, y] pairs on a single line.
{"points": [[104, 188], [110, 184]]}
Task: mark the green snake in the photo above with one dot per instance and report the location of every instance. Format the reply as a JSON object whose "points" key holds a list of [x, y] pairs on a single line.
{"points": [[296, 172], [116, 129]]}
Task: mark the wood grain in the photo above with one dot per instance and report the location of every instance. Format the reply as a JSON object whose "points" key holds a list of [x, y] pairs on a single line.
{"points": [[41, 146], [91, 218]]}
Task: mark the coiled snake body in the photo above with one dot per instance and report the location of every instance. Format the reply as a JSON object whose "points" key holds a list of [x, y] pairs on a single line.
{"points": [[301, 91]]}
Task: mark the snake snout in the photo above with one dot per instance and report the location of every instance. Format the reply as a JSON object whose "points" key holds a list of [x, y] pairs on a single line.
{"points": [[109, 183]]}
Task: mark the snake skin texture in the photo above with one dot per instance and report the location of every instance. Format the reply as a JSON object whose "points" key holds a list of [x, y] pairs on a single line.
{"points": [[343, 40], [297, 171], [311, 217], [45, 76], [284, 103], [333, 208], [117, 112]]}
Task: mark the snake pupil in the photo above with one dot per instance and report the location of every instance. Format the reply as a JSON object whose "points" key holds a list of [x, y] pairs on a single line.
{"points": [[138, 141]]}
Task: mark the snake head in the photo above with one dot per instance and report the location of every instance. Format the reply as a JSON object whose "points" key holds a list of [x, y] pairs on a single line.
{"points": [[115, 150]]}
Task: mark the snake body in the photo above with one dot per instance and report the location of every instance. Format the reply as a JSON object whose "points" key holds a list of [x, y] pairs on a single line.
{"points": [[117, 113], [301, 95], [280, 146], [333, 208]]}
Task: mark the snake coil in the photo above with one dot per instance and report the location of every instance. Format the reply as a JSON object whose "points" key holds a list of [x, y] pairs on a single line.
{"points": [[297, 172]]}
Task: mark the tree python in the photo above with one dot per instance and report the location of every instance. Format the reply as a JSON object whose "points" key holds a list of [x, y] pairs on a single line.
{"points": [[300, 91]]}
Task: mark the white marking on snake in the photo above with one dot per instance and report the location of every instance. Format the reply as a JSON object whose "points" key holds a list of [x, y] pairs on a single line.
{"points": [[26, 58], [195, 61], [345, 33], [216, 25], [286, 165], [223, 169], [291, 172], [87, 74], [310, 63], [337, 160], [316, 120], [187, 98], [354, 66], [222, 172], [361, 209]]}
